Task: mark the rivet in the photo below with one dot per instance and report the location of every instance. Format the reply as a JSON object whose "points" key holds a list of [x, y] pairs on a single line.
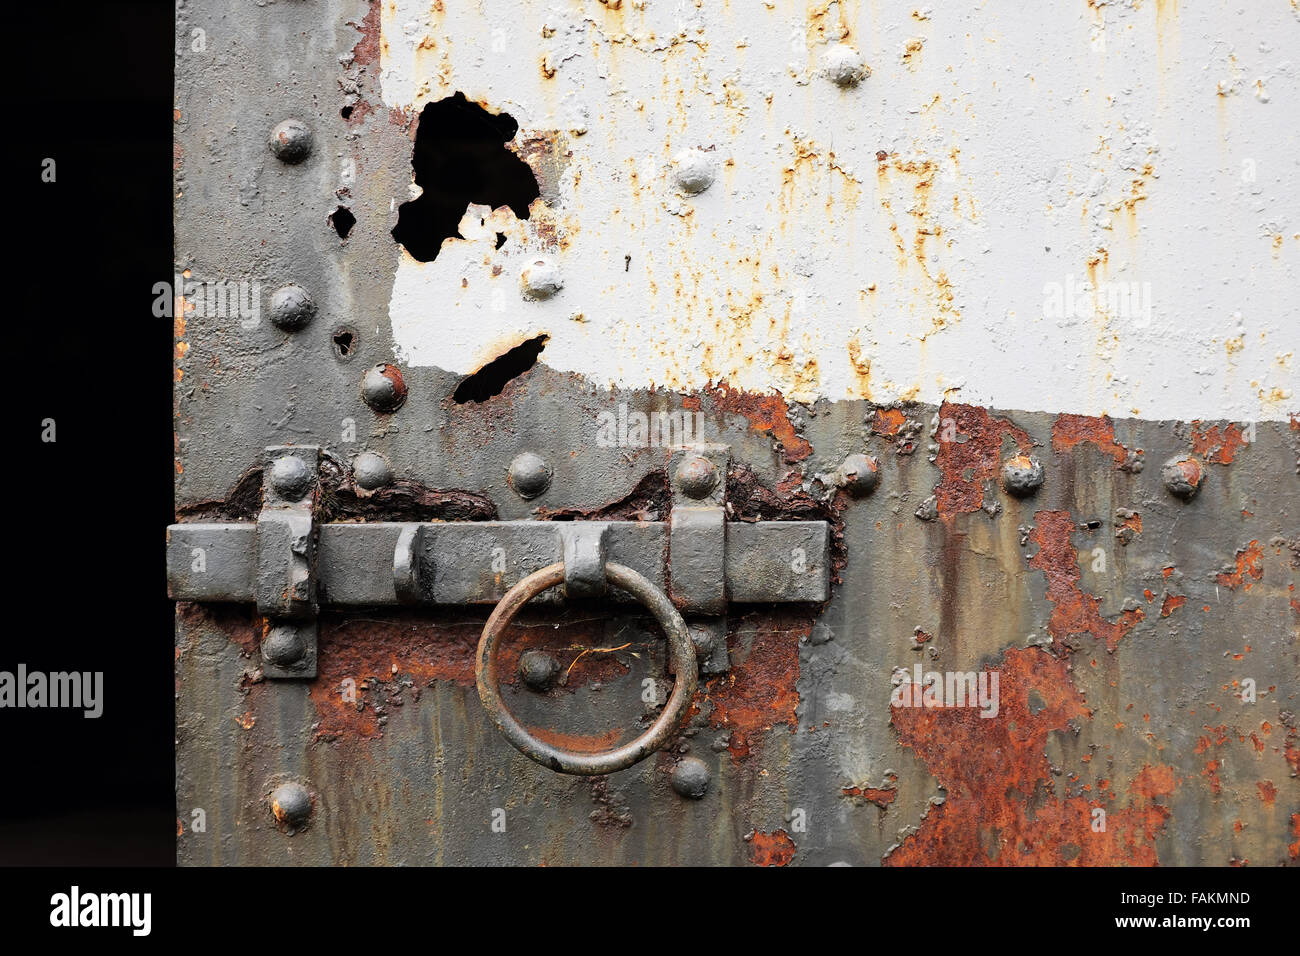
{"points": [[290, 477], [690, 778], [291, 141], [696, 476], [1022, 475], [694, 171], [844, 65], [540, 278], [1183, 476], [382, 387], [291, 804], [283, 646], [860, 475], [538, 669], [370, 470], [528, 475], [291, 308]]}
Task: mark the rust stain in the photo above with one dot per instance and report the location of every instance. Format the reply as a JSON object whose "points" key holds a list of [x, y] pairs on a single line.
{"points": [[761, 690], [1001, 807], [366, 50], [368, 667], [1267, 791], [880, 796], [965, 466], [767, 414], [1218, 446], [1248, 566], [888, 421], [578, 743], [1069, 431], [771, 849], [1171, 603], [1073, 610]]}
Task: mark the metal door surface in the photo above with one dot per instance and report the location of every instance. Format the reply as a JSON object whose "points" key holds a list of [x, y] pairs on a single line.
{"points": [[900, 402]]}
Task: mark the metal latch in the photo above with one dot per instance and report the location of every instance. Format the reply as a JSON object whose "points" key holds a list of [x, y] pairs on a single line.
{"points": [[695, 563]]}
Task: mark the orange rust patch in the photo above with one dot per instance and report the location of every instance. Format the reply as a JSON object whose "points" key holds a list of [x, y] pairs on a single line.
{"points": [[1267, 791], [578, 743], [771, 849], [761, 691], [1172, 602], [888, 421], [366, 50], [1001, 807], [880, 796], [1294, 848], [1211, 772], [767, 414], [1134, 522], [1069, 431], [1218, 446], [393, 658], [965, 466], [1073, 611], [1248, 559], [1247, 566]]}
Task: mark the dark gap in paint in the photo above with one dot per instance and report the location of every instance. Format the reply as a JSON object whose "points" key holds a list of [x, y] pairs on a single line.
{"points": [[342, 220], [493, 377], [460, 158]]}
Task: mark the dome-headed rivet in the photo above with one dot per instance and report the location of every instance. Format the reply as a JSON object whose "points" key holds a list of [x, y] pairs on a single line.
{"points": [[529, 475], [844, 65], [292, 308], [694, 171], [370, 470], [1183, 475], [540, 278], [382, 387], [860, 474], [291, 804], [1022, 475], [538, 669], [696, 476], [691, 777], [283, 646], [290, 477], [291, 141]]}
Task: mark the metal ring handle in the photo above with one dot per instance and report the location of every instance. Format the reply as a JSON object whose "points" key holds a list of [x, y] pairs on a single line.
{"points": [[620, 758]]}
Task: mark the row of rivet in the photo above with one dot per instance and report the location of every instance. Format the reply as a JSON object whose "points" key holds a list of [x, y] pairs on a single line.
{"points": [[292, 803], [1022, 475]]}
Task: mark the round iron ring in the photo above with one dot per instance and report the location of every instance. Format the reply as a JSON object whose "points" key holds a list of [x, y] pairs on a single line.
{"points": [[608, 761]]}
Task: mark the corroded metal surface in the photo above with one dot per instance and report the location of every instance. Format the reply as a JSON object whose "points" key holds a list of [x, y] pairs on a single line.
{"points": [[853, 236], [1123, 623]]}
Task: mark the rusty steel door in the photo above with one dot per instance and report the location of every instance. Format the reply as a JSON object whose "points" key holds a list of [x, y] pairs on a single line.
{"points": [[775, 433]]}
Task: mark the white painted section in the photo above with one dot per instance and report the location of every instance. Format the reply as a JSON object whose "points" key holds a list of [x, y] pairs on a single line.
{"points": [[1032, 148]]}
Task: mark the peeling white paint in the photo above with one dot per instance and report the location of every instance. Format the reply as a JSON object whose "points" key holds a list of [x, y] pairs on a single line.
{"points": [[1129, 145]]}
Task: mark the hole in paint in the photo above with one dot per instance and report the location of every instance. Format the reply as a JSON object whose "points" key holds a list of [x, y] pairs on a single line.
{"points": [[460, 158], [345, 343], [346, 112], [493, 377], [342, 220], [501, 239]]}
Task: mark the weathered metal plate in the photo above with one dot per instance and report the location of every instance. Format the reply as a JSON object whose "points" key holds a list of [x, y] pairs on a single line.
{"points": [[863, 276]]}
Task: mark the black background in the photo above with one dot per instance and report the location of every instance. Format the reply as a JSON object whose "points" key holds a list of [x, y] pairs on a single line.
{"points": [[85, 580]]}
